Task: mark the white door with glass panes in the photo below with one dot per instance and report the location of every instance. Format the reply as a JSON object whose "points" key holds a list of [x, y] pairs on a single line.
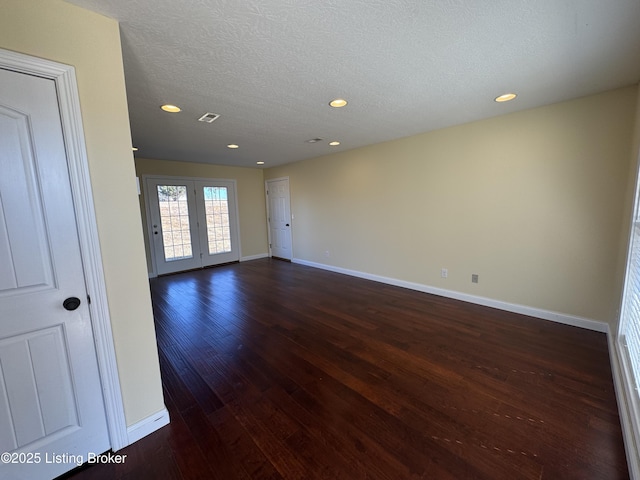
{"points": [[193, 222], [217, 219]]}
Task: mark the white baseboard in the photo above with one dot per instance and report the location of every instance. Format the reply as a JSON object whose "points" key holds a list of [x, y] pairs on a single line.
{"points": [[254, 257], [488, 302], [625, 408], [147, 425]]}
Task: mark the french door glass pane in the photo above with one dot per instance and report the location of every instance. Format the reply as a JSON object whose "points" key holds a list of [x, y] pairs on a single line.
{"points": [[174, 217], [217, 211]]}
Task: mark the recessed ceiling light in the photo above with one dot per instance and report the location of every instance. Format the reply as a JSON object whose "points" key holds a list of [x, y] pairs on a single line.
{"points": [[259, 163], [232, 145], [333, 144], [135, 149], [338, 102], [170, 108], [506, 97], [314, 140]]}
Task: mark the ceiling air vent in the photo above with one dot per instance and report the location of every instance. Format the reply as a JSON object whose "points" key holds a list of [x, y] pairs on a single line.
{"points": [[208, 117]]}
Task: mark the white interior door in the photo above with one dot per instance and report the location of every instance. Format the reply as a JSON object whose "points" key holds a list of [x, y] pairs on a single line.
{"points": [[279, 218], [194, 222], [50, 392]]}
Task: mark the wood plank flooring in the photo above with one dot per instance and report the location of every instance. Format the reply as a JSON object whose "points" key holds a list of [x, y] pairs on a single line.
{"points": [[273, 370]]}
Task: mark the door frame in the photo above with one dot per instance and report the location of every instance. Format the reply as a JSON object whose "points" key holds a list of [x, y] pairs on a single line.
{"points": [[266, 194], [64, 78], [147, 211]]}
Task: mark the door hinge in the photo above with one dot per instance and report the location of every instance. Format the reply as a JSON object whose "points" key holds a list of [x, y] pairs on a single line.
{"points": [[89, 299]]}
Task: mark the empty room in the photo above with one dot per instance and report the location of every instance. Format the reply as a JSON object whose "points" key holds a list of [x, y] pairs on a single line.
{"points": [[299, 240]]}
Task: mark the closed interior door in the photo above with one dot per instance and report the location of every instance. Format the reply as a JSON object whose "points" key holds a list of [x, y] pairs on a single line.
{"points": [[50, 392], [193, 222], [279, 218]]}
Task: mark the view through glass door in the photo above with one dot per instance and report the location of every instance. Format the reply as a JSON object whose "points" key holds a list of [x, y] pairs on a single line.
{"points": [[193, 222]]}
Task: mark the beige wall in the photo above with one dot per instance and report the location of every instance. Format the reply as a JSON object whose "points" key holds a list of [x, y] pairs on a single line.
{"points": [[533, 202], [251, 198], [632, 178], [67, 34]]}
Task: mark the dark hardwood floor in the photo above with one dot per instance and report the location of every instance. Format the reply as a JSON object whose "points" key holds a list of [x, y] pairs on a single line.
{"points": [[273, 370]]}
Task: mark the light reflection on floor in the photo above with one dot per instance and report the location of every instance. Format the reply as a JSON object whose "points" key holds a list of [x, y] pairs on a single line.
{"points": [[220, 305]]}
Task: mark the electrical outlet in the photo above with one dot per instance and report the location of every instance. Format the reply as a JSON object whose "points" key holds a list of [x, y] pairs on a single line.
{"points": [[444, 273], [326, 253], [474, 278]]}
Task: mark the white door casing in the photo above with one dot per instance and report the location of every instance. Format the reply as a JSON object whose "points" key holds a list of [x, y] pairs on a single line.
{"points": [[193, 222], [58, 366], [279, 217]]}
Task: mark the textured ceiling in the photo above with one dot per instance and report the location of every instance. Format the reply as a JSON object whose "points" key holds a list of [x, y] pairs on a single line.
{"points": [[270, 67]]}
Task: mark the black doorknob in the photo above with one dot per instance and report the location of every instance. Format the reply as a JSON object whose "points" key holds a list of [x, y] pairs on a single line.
{"points": [[71, 303], [287, 225]]}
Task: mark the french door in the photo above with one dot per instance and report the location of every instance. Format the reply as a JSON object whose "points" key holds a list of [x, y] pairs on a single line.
{"points": [[193, 222]]}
